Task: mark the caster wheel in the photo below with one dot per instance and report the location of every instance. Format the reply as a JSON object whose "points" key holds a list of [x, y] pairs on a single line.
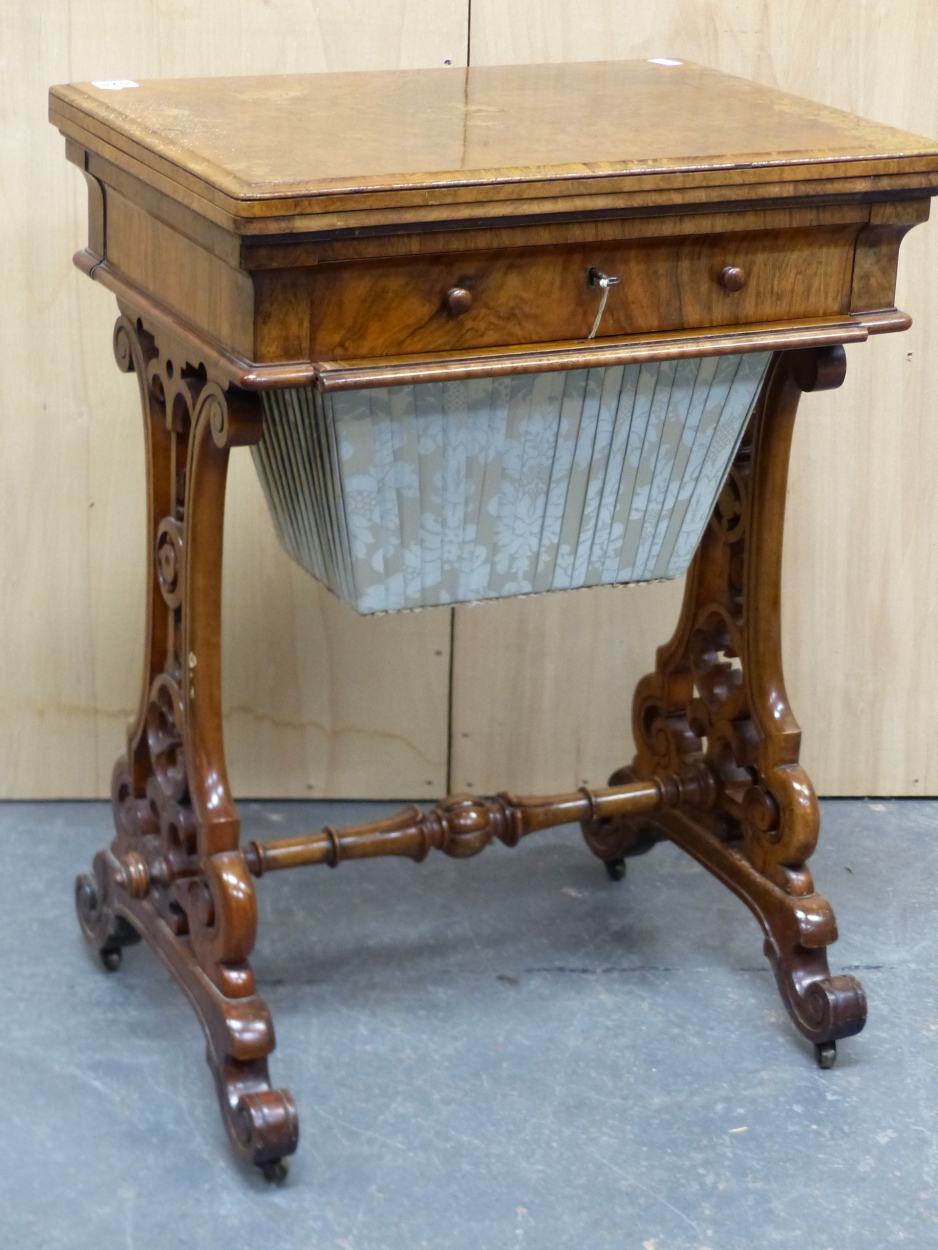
{"points": [[111, 959], [826, 1054], [615, 869], [275, 1171]]}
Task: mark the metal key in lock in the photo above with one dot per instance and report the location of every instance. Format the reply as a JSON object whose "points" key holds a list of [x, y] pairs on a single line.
{"points": [[596, 277]]}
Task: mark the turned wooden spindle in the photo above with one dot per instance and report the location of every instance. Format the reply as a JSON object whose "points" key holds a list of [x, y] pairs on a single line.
{"points": [[463, 825]]}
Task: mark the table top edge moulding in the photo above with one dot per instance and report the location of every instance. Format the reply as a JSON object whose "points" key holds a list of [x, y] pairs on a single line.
{"points": [[456, 132], [487, 332]]}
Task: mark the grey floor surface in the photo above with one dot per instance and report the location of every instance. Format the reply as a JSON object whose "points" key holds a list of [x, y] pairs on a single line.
{"points": [[506, 1053]]}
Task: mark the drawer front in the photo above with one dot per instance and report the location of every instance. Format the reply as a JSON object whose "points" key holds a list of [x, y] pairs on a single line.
{"points": [[536, 295]]}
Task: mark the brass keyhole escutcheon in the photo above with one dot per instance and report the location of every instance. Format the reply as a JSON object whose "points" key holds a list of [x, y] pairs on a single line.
{"points": [[458, 300], [733, 278]]}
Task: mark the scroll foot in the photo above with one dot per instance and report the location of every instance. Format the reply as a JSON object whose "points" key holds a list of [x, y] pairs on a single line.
{"points": [[797, 928], [261, 1122], [824, 1008], [107, 932]]}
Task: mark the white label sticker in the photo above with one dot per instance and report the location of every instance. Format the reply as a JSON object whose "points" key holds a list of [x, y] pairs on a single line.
{"points": [[115, 84], [655, 60]]}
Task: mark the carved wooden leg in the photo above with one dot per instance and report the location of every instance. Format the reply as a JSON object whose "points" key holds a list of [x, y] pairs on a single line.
{"points": [[717, 695], [174, 874]]}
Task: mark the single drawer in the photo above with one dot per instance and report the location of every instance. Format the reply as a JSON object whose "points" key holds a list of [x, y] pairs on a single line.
{"points": [[460, 301]]}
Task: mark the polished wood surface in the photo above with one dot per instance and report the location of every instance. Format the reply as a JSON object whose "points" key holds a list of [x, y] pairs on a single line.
{"points": [[303, 146], [543, 294], [515, 357], [464, 825], [813, 262], [718, 690], [175, 170], [717, 767]]}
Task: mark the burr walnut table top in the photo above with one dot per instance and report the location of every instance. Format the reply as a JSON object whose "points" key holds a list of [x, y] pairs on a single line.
{"points": [[268, 154]]}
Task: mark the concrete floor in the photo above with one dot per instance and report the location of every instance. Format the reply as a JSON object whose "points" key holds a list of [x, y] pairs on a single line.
{"points": [[506, 1053]]}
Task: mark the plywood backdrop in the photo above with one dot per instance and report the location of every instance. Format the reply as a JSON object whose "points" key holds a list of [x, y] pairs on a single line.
{"points": [[320, 702], [861, 564]]}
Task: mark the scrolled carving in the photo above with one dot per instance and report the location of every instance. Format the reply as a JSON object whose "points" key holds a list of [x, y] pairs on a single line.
{"points": [[825, 1008], [718, 691], [126, 345], [174, 871], [166, 721], [266, 1125], [819, 368], [619, 837], [760, 811], [235, 417], [731, 509], [832, 1008], [261, 1122], [714, 646], [105, 929], [156, 383], [170, 566], [222, 914], [171, 853], [214, 406], [717, 699]]}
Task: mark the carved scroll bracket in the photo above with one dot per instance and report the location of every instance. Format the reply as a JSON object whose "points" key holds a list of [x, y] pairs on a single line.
{"points": [[175, 874], [717, 699], [718, 692]]}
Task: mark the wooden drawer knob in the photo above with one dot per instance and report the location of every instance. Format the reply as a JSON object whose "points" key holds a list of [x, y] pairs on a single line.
{"points": [[458, 300], [732, 278]]}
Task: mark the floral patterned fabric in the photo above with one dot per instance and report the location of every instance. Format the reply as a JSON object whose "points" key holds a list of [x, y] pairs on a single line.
{"points": [[408, 496]]}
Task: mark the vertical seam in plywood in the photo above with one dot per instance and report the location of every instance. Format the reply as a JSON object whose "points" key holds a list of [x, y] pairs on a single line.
{"points": [[449, 702], [468, 33]]}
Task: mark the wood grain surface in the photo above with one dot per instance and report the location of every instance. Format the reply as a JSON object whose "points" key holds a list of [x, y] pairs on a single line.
{"points": [[861, 559], [289, 145], [542, 295], [305, 716]]}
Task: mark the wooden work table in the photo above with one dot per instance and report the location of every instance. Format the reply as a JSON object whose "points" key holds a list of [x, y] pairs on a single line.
{"points": [[297, 239]]}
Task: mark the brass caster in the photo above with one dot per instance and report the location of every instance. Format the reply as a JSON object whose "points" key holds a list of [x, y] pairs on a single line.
{"points": [[826, 1054], [111, 958], [615, 869], [275, 1171]]}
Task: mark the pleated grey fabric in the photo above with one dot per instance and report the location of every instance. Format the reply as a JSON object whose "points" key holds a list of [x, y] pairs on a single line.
{"points": [[409, 496]]}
